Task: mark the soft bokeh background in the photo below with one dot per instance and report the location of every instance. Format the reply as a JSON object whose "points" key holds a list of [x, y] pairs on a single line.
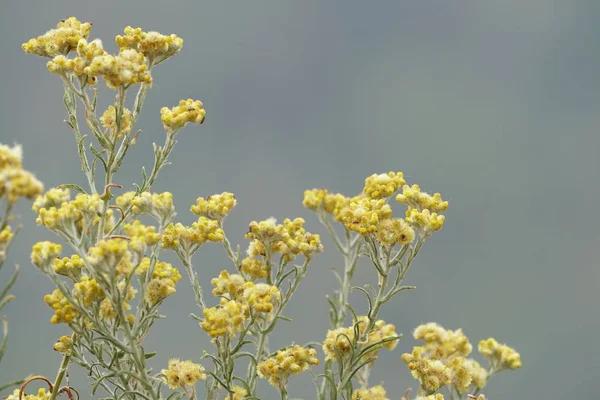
{"points": [[492, 103]]}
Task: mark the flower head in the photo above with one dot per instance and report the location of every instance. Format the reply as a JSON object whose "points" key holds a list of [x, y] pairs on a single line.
{"points": [[286, 362], [183, 373], [175, 118]]}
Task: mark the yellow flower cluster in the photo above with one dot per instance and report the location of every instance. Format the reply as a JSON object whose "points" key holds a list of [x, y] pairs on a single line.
{"points": [[41, 395], [201, 231], [500, 355], [228, 286], [432, 373], [69, 267], [158, 205], [141, 236], [414, 198], [289, 238], [163, 281], [126, 68], [374, 393], [64, 345], [86, 52], [127, 293], [175, 118], [6, 235], [364, 214], [109, 121], [286, 362], [58, 41], [239, 393], [106, 255], [183, 373], [261, 297], [394, 230], [63, 310], [44, 253], [441, 360], [87, 291], [52, 198], [339, 342], [425, 221], [381, 186], [254, 268], [320, 199], [214, 207], [225, 319], [155, 46], [16, 183], [10, 157]]}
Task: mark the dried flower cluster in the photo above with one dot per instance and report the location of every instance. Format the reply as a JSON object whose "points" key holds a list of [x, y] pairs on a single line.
{"points": [[106, 261]]}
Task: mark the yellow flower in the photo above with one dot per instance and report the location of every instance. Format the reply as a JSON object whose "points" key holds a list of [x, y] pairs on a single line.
{"points": [[441, 343], [225, 319], [437, 396], [374, 393], [186, 111], [155, 46], [261, 297], [239, 393], [107, 254], [425, 222], [16, 183], [158, 205], [414, 198], [255, 269], [500, 355], [64, 345], [70, 267], [191, 237], [63, 310], [479, 375], [6, 235], [87, 291], [229, 286], [141, 236], [363, 215], [320, 199], [41, 395], [286, 362], [52, 198], [61, 40], [183, 373], [394, 230], [380, 186], [162, 283], [214, 207], [10, 157], [109, 121], [127, 68], [338, 343], [44, 253], [433, 374]]}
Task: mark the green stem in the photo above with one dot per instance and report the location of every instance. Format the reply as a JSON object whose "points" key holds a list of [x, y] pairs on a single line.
{"points": [[59, 376]]}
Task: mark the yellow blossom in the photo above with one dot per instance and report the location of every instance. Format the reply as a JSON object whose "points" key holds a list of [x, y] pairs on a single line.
{"points": [[16, 183], [183, 373], [363, 215], [158, 205], [414, 198], [374, 393], [479, 375], [254, 268], [500, 355], [214, 207], [44, 253], [433, 374], [239, 393], [6, 235], [10, 157], [380, 186], [63, 310], [61, 40], [105, 256], [441, 343], [229, 286], [109, 121], [87, 291], [424, 221], [52, 198], [338, 343], [41, 395], [394, 230], [127, 68], [196, 235], [162, 283], [64, 345], [437, 396], [155, 46], [186, 111], [261, 297], [70, 267], [286, 362], [141, 236], [225, 319]]}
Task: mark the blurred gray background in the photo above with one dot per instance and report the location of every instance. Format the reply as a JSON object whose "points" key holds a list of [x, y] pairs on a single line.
{"points": [[492, 103]]}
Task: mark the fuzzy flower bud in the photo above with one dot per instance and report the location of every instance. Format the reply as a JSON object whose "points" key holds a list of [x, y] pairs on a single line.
{"points": [[44, 253], [214, 207], [500, 355], [64, 345], [414, 198], [183, 373], [225, 319], [186, 111], [61, 40], [380, 186], [286, 362], [69, 267], [374, 393], [52, 198]]}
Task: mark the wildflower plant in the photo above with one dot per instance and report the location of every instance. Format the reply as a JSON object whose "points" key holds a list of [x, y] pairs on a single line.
{"points": [[110, 279]]}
